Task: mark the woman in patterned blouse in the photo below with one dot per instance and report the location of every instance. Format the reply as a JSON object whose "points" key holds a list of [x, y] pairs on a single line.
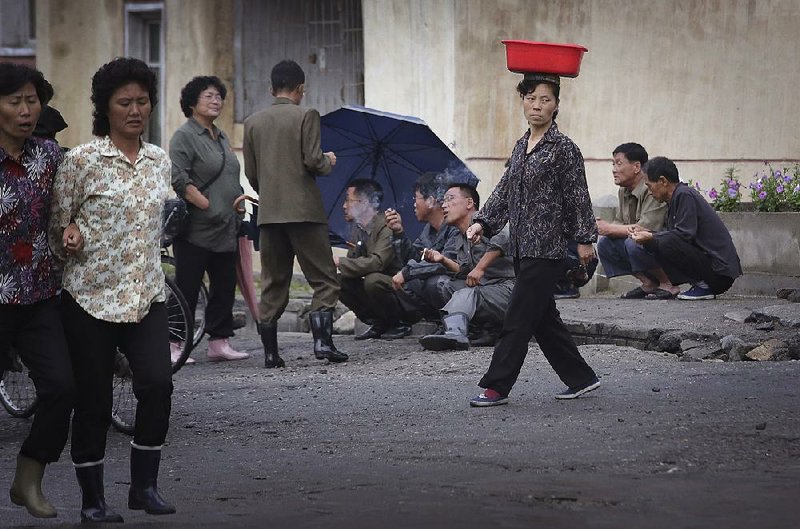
{"points": [[114, 188], [544, 198], [29, 283]]}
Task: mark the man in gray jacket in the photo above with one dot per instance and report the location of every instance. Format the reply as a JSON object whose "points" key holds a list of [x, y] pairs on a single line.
{"points": [[282, 159], [482, 276]]}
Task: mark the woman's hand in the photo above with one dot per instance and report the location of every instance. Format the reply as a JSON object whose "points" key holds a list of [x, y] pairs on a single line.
{"points": [[196, 198], [585, 253], [72, 239], [474, 233]]}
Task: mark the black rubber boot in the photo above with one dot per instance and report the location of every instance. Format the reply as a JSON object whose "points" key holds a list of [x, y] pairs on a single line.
{"points": [[143, 494], [269, 339], [93, 503], [454, 337], [322, 330]]}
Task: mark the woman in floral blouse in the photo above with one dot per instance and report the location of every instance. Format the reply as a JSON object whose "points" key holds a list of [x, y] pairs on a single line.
{"points": [[29, 317], [114, 188]]}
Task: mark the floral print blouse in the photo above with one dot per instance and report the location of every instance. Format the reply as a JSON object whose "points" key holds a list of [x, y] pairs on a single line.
{"points": [[27, 274], [544, 197], [117, 206]]}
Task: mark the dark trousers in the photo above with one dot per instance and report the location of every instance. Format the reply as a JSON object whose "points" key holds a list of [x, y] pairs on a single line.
{"points": [[684, 262], [280, 244], [532, 313], [372, 299], [36, 333], [93, 344], [191, 263]]}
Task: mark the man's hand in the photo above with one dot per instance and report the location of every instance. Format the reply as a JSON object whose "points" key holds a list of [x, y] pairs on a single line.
{"points": [[640, 235], [72, 239], [585, 253], [432, 256], [474, 233], [394, 221], [331, 157], [398, 280], [475, 276], [603, 227]]}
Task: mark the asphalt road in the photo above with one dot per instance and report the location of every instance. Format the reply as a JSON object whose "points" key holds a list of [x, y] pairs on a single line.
{"points": [[388, 440]]}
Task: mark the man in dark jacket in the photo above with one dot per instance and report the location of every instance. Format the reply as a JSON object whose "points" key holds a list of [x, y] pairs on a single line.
{"points": [[366, 271], [695, 246], [417, 275]]}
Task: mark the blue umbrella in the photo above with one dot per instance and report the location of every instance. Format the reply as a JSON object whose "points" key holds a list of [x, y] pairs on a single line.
{"points": [[392, 149]]}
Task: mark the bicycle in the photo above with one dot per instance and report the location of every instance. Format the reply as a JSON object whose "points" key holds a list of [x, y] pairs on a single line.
{"points": [[181, 328], [17, 392]]}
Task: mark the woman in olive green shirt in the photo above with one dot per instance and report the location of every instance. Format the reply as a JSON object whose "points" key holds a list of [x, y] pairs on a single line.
{"points": [[205, 172]]}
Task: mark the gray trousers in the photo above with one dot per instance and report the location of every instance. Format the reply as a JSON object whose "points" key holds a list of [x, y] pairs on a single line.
{"points": [[483, 304]]}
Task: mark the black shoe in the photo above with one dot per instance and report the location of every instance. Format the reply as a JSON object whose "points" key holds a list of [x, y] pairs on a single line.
{"points": [[143, 494], [569, 293], [322, 330], [269, 339], [396, 332], [373, 331], [487, 338], [93, 504], [454, 337]]}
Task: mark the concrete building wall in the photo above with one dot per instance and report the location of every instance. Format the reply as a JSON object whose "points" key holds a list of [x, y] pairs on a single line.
{"points": [[709, 83], [74, 38]]}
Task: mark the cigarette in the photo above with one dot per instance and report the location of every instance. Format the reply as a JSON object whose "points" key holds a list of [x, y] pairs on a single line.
{"points": [[350, 244], [422, 257]]}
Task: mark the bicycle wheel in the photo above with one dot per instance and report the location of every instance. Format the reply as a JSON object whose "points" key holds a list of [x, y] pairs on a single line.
{"points": [[17, 392], [181, 324], [168, 265], [123, 412]]}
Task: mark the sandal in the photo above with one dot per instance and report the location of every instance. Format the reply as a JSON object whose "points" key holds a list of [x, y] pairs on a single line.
{"points": [[660, 293], [636, 293]]}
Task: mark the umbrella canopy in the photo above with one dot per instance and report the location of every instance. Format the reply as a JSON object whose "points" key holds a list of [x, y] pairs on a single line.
{"points": [[391, 149]]}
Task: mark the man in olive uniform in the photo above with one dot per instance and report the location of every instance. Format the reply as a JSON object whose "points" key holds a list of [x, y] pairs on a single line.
{"points": [[282, 159], [367, 269]]}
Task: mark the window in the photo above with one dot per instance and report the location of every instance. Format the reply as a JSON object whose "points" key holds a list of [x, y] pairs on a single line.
{"points": [[144, 39], [17, 28]]}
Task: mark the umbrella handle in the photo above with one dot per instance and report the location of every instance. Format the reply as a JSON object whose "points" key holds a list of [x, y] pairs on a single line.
{"points": [[236, 203]]}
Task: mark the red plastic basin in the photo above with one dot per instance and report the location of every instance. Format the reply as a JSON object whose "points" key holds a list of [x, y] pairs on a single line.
{"points": [[543, 57]]}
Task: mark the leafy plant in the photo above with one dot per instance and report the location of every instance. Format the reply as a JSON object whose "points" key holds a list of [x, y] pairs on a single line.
{"points": [[776, 189], [730, 195]]}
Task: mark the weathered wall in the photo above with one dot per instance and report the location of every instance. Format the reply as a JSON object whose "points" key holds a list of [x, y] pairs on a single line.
{"points": [[709, 83], [74, 38], [199, 41]]}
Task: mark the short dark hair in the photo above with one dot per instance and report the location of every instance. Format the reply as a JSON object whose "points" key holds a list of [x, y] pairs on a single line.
{"points": [[431, 184], [527, 86], [14, 76], [190, 93], [369, 189], [661, 166], [632, 151], [470, 191], [110, 77], [287, 75]]}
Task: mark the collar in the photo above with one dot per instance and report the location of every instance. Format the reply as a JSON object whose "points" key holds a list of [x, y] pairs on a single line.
{"points": [[200, 129], [378, 220], [639, 191], [283, 101], [552, 135], [107, 148], [27, 150]]}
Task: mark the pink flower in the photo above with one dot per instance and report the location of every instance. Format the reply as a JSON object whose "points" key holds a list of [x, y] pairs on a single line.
{"points": [[733, 193], [762, 195], [713, 194]]}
